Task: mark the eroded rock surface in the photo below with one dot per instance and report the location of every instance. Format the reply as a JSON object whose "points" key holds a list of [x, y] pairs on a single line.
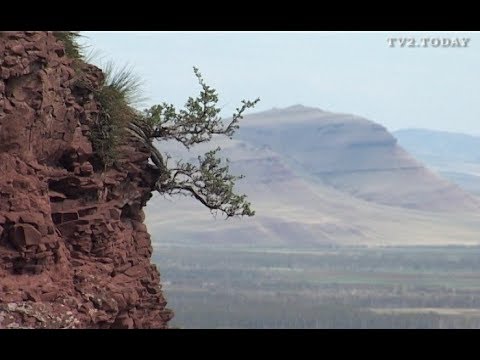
{"points": [[74, 251]]}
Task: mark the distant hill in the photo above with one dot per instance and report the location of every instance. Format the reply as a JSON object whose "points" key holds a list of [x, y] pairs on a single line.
{"points": [[353, 155], [453, 155], [317, 178]]}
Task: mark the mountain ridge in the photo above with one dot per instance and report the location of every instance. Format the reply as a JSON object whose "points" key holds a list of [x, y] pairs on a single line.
{"points": [[295, 207], [454, 155], [331, 145]]}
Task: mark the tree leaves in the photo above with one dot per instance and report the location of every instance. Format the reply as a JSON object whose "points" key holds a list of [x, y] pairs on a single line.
{"points": [[208, 181], [197, 122]]}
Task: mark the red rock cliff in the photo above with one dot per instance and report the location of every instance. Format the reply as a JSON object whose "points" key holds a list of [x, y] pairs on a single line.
{"points": [[74, 251]]}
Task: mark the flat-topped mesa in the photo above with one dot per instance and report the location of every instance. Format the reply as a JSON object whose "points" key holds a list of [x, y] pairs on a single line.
{"points": [[74, 251]]}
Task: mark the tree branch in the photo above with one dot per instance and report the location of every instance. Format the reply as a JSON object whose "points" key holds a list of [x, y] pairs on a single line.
{"points": [[208, 182]]}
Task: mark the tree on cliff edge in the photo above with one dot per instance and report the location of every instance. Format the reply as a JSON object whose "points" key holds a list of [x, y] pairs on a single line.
{"points": [[209, 180]]}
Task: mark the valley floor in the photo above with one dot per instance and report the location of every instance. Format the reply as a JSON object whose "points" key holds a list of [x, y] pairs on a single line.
{"points": [[389, 287]]}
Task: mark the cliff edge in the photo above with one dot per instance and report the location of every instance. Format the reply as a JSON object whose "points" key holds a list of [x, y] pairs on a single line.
{"points": [[74, 250]]}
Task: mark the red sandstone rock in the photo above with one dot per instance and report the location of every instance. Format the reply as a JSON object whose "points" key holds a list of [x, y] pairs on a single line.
{"points": [[25, 235], [86, 168], [74, 252]]}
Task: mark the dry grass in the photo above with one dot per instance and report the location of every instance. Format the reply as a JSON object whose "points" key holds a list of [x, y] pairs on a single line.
{"points": [[72, 48], [118, 95], [120, 91]]}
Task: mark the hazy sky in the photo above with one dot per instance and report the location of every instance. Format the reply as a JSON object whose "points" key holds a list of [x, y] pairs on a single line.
{"points": [[352, 72]]}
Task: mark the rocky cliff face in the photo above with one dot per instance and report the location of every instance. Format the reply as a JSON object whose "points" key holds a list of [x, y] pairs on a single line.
{"points": [[74, 251]]}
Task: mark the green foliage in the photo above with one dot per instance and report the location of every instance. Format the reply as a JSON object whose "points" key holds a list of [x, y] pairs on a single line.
{"points": [[209, 181], [198, 122], [105, 136]]}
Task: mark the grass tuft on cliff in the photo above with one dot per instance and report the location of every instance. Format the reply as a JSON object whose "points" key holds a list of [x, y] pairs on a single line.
{"points": [[124, 82], [118, 95], [72, 48]]}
